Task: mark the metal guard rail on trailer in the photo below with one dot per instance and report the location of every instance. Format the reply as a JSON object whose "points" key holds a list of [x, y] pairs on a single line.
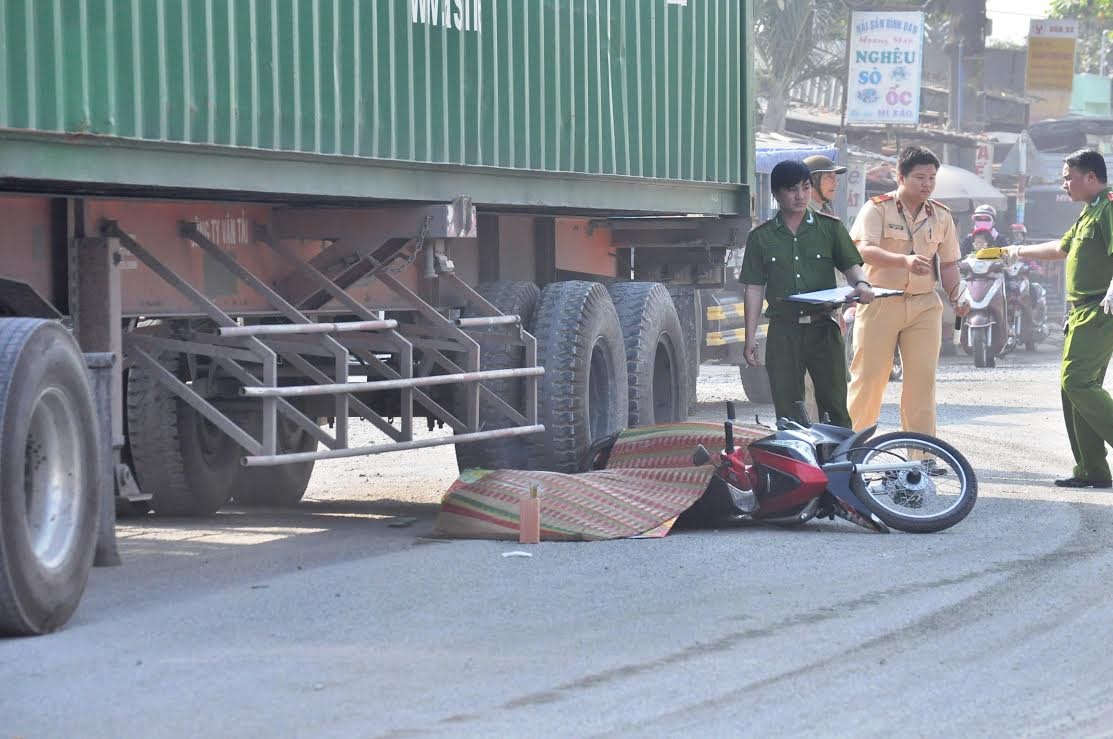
{"points": [[233, 347]]}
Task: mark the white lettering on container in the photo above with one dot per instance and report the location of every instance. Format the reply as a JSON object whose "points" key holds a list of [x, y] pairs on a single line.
{"points": [[226, 232], [461, 15]]}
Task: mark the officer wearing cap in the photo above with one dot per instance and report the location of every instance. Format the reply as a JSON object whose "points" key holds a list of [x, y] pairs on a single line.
{"points": [[824, 182], [796, 251], [1088, 249], [901, 236]]}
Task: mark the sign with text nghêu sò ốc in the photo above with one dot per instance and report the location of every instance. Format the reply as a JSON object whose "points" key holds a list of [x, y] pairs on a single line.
{"points": [[886, 59]]}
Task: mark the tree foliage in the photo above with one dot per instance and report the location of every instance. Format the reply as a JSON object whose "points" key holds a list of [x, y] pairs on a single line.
{"points": [[799, 40], [796, 40], [1094, 17]]}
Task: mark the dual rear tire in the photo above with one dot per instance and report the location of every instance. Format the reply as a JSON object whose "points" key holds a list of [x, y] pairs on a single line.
{"points": [[656, 353], [190, 467], [612, 359], [582, 397]]}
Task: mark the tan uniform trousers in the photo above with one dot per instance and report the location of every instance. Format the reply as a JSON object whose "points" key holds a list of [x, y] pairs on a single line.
{"points": [[914, 323]]}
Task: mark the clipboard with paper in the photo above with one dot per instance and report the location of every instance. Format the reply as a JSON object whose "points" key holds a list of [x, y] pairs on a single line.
{"points": [[837, 295]]}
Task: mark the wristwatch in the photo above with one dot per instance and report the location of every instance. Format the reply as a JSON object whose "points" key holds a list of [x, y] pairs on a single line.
{"points": [[863, 282]]}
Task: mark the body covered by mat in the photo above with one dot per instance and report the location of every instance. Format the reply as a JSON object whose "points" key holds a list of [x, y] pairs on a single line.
{"points": [[648, 482]]}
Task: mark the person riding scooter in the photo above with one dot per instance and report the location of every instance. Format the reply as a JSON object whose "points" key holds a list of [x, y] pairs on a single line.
{"points": [[981, 237], [985, 332], [985, 223], [1026, 301]]}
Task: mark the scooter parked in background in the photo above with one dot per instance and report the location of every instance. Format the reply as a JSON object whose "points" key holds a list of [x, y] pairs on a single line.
{"points": [[1027, 306], [1034, 326]]}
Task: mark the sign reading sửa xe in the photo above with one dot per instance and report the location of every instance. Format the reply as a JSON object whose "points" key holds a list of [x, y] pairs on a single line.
{"points": [[1051, 54], [886, 59]]}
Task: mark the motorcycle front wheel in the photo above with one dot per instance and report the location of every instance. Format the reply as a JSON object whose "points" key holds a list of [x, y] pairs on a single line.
{"points": [[983, 352], [935, 497]]}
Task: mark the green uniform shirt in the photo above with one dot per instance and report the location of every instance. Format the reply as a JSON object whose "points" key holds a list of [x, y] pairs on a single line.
{"points": [[787, 263], [1089, 248]]}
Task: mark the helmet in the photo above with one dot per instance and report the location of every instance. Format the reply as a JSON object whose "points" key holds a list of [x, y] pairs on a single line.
{"points": [[818, 163], [985, 211]]}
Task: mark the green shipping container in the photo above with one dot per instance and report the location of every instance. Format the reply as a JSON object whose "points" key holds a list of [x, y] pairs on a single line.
{"points": [[616, 105]]}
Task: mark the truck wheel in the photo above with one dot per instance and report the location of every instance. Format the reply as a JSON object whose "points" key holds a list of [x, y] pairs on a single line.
{"points": [[512, 298], [755, 383], [49, 496], [656, 363], [689, 309], [583, 395], [283, 485], [186, 464]]}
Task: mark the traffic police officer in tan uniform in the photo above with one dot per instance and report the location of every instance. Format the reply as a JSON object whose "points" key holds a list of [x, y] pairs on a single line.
{"points": [[902, 235], [1088, 249], [796, 251]]}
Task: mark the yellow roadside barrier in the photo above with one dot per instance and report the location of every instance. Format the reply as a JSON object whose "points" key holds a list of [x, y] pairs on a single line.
{"points": [[734, 336], [731, 310]]}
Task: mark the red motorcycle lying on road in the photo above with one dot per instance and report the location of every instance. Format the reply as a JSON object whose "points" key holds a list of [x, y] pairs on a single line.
{"points": [[902, 480]]}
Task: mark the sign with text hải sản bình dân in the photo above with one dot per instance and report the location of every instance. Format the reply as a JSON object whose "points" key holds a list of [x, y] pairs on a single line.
{"points": [[886, 60]]}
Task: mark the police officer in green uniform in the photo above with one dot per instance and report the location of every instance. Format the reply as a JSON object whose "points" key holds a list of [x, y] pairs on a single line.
{"points": [[1088, 249], [797, 251]]}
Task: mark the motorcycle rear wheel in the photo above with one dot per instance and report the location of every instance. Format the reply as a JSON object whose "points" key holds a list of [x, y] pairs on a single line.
{"points": [[942, 496]]}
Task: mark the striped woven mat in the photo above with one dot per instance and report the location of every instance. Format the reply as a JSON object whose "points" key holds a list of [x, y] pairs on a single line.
{"points": [[649, 481]]}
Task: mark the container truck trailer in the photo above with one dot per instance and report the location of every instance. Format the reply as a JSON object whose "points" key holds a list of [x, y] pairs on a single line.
{"points": [[232, 225]]}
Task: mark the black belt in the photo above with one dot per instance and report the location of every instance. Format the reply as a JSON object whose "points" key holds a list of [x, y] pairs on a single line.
{"points": [[805, 318], [1084, 301]]}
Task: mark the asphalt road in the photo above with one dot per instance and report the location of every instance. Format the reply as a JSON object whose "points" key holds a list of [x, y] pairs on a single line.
{"points": [[329, 621]]}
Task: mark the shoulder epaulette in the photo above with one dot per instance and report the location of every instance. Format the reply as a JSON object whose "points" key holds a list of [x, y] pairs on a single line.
{"points": [[825, 215], [1109, 196], [937, 203], [879, 199]]}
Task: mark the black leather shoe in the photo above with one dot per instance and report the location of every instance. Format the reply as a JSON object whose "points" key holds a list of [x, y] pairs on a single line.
{"points": [[1078, 482]]}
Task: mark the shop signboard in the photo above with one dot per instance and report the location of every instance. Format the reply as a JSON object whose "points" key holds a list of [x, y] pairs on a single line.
{"points": [[886, 60]]}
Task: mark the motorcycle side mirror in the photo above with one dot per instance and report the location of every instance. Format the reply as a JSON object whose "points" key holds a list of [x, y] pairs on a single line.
{"points": [[730, 409], [701, 456]]}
